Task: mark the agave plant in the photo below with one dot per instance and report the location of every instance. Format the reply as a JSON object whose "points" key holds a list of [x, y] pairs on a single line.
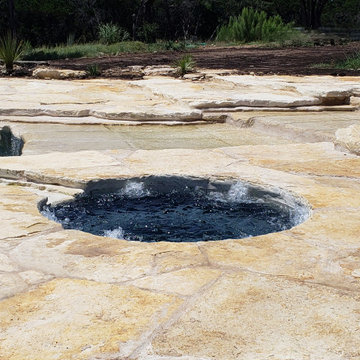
{"points": [[93, 70], [185, 65], [10, 50]]}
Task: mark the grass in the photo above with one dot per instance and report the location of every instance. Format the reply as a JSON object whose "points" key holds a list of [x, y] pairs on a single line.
{"points": [[83, 50], [352, 62], [72, 51], [98, 49]]}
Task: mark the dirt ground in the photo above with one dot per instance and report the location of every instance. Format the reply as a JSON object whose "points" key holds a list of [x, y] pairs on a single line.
{"points": [[285, 61]]}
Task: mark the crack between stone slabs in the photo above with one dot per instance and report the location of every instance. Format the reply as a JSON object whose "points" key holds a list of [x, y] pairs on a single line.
{"points": [[300, 173], [28, 288], [132, 148], [239, 158], [215, 136], [188, 303], [127, 282], [55, 228], [32, 186], [233, 269], [312, 175], [30, 177], [161, 292]]}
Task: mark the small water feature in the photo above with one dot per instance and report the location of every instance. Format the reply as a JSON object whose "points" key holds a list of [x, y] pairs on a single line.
{"points": [[178, 209], [10, 145]]}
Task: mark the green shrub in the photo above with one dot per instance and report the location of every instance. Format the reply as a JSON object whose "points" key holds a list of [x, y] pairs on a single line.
{"points": [[149, 32], [175, 45], [111, 33], [93, 70], [185, 65], [252, 25], [10, 50], [350, 63]]}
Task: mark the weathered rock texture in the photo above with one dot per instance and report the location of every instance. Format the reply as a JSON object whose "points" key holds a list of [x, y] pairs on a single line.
{"points": [[72, 295], [57, 74], [349, 138]]}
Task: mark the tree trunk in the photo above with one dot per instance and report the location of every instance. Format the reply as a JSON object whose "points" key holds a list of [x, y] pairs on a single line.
{"points": [[168, 19], [312, 10], [12, 25]]}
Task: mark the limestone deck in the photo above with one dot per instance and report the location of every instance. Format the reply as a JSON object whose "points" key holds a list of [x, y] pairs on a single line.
{"points": [[47, 138], [289, 295]]}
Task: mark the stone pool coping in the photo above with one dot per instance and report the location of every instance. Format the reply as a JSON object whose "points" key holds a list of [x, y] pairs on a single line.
{"points": [[72, 295]]}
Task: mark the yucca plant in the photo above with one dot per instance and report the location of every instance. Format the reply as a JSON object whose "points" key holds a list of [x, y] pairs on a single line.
{"points": [[111, 33], [93, 70], [185, 65], [10, 51], [252, 25]]}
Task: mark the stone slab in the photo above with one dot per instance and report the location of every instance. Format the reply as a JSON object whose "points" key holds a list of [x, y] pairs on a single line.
{"points": [[118, 100]]}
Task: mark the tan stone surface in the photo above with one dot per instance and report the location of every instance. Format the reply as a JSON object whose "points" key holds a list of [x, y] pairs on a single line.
{"points": [[118, 100], [214, 95], [162, 99], [19, 216], [77, 319], [313, 127], [248, 316], [183, 282], [77, 254], [66, 294], [48, 138]]}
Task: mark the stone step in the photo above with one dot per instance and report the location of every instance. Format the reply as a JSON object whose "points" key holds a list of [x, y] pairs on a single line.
{"points": [[90, 120], [290, 109], [314, 128]]}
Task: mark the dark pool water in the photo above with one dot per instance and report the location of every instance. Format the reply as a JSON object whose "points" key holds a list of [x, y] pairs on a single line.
{"points": [[180, 214], [10, 145]]}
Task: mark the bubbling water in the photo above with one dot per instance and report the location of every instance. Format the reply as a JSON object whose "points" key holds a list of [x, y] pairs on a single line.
{"points": [[174, 209]]}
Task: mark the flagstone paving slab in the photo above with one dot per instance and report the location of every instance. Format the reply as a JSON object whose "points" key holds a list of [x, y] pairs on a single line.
{"points": [[66, 294]]}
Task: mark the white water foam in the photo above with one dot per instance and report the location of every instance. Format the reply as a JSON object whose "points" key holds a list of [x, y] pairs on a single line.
{"points": [[134, 190], [237, 193], [116, 233], [50, 215]]}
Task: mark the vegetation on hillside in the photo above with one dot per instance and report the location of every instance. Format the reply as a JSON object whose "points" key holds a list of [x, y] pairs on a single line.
{"points": [[53, 22], [64, 29]]}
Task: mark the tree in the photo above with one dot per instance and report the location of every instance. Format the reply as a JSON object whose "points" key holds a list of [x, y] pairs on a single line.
{"points": [[313, 10], [12, 25]]}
